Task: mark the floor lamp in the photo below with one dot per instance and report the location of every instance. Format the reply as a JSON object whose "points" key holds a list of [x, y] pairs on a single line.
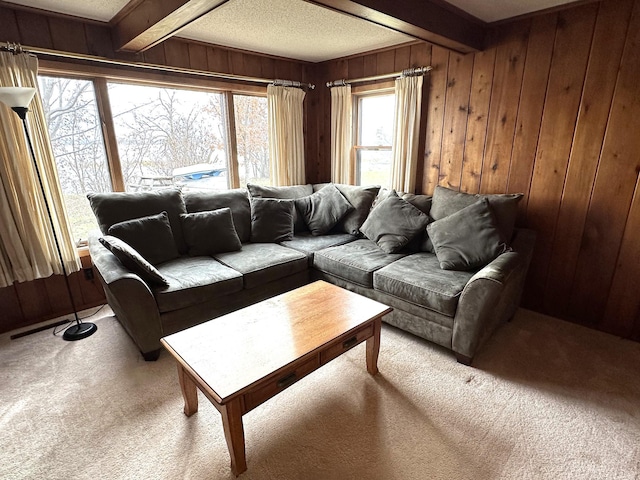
{"points": [[18, 99]]}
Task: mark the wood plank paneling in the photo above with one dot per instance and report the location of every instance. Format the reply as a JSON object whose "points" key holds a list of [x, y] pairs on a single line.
{"points": [[479, 101], [8, 24], [34, 29], [99, 40], [435, 118], [421, 57], [612, 190], [68, 36], [455, 119], [532, 100], [505, 97], [564, 90], [553, 113], [602, 72], [218, 59], [155, 55], [176, 53], [623, 305]]}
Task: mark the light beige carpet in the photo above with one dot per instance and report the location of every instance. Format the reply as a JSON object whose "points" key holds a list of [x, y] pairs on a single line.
{"points": [[546, 400]]}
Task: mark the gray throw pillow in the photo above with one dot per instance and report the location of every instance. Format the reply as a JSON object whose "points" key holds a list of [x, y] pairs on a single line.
{"points": [[323, 209], [133, 261], [236, 199], [504, 206], [150, 236], [393, 223], [421, 243], [361, 198], [114, 207], [271, 220], [287, 192], [467, 239], [207, 233]]}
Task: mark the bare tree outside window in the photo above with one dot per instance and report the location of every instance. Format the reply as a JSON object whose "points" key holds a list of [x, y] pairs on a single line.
{"points": [[168, 136], [78, 146], [165, 137], [252, 136]]}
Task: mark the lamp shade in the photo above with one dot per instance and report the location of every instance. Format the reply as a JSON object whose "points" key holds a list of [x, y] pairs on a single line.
{"points": [[16, 96]]}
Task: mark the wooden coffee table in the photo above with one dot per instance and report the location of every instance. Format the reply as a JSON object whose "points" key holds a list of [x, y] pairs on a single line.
{"points": [[242, 359]]}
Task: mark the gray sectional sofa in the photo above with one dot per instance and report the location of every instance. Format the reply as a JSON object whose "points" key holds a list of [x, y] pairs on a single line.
{"points": [[452, 266]]}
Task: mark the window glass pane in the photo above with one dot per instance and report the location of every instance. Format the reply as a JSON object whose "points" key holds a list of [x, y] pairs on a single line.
{"points": [[252, 137], [76, 137], [168, 136], [375, 130], [376, 120], [374, 167]]}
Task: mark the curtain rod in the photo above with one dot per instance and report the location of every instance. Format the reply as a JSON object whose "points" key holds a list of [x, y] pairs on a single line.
{"points": [[404, 73], [16, 48]]}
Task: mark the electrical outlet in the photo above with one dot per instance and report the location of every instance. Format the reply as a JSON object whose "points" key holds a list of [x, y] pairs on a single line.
{"points": [[88, 273]]}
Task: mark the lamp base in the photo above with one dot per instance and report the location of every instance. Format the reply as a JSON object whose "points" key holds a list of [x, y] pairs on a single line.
{"points": [[80, 331]]}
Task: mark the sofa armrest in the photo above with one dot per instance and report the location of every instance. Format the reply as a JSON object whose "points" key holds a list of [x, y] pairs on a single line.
{"points": [[491, 297], [129, 297]]}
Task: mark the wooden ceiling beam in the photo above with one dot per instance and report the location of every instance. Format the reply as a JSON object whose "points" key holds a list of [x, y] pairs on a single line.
{"points": [[431, 20], [148, 22]]}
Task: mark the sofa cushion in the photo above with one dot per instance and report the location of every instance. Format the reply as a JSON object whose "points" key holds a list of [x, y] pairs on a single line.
{"points": [[150, 236], [237, 200], [194, 280], [394, 223], [210, 232], [309, 244], [114, 207], [361, 198], [271, 220], [290, 192], [418, 279], [504, 207], [467, 239], [355, 261], [133, 260], [323, 209], [261, 263]]}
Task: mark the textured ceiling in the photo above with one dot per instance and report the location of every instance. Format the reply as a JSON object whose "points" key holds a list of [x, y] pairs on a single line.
{"points": [[494, 10], [103, 10], [292, 29]]}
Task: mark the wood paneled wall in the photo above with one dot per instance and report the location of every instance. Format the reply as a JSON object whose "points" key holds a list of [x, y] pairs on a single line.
{"points": [[551, 108], [30, 302]]}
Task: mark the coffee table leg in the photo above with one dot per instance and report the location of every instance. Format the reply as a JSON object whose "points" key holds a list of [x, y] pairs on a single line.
{"points": [[373, 348], [189, 392], [234, 433]]}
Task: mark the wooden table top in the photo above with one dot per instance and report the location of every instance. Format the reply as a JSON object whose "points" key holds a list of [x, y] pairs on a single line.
{"points": [[233, 352]]}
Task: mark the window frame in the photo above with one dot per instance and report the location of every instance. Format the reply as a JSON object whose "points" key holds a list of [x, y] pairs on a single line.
{"points": [[101, 75]]}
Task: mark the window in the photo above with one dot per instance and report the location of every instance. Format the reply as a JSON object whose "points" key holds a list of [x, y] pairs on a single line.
{"points": [[374, 134], [78, 146], [252, 137], [168, 136], [165, 136]]}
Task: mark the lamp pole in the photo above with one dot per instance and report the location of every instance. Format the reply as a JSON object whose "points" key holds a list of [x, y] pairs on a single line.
{"points": [[80, 330]]}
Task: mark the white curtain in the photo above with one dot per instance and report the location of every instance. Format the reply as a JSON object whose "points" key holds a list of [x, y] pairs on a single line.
{"points": [[342, 165], [405, 133], [27, 247], [286, 135]]}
